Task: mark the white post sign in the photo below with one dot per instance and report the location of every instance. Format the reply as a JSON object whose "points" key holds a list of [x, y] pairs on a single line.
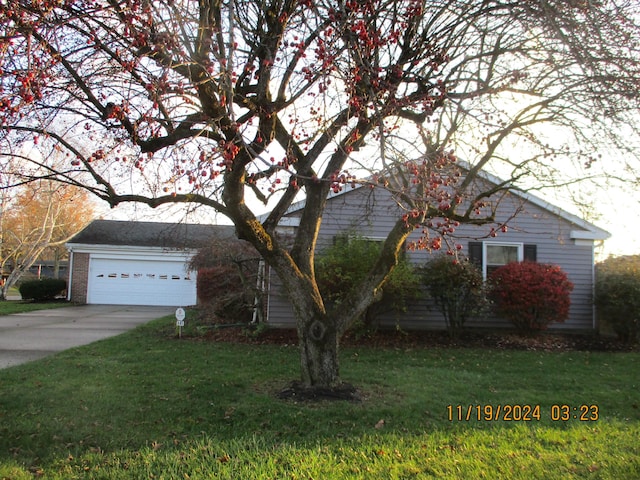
{"points": [[180, 320]]}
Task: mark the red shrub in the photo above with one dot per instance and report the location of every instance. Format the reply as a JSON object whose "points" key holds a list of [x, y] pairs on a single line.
{"points": [[216, 281], [227, 280], [531, 295]]}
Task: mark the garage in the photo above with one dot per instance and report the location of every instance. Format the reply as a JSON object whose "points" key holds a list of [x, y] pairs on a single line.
{"points": [[137, 263], [140, 282]]}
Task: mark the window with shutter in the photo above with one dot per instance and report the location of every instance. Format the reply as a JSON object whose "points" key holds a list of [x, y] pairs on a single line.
{"points": [[489, 256]]}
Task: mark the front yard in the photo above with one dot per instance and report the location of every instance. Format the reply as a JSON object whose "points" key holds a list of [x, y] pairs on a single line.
{"points": [[149, 405]]}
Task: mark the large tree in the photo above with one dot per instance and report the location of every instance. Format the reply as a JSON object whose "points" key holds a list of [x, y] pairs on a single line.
{"points": [[37, 221], [228, 103]]}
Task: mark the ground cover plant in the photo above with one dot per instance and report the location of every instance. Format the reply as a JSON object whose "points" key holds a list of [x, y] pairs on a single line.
{"points": [[149, 405]]}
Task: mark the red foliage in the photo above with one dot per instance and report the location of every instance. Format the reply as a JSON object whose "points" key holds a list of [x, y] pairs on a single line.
{"points": [[215, 281], [531, 295]]}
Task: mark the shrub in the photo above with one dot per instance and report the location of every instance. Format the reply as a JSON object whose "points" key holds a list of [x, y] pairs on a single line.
{"points": [[341, 268], [220, 289], [227, 279], [531, 295], [617, 297], [44, 289], [457, 288]]}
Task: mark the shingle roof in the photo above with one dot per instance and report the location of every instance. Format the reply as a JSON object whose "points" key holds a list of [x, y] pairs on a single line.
{"points": [[151, 234]]}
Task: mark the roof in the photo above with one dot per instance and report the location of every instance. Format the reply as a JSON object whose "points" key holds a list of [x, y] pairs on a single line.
{"points": [[151, 234], [584, 231]]}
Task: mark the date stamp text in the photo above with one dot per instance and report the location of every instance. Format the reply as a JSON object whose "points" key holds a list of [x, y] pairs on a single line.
{"points": [[522, 413]]}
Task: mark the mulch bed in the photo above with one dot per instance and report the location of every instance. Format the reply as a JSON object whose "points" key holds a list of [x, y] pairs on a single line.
{"points": [[546, 341], [298, 392]]}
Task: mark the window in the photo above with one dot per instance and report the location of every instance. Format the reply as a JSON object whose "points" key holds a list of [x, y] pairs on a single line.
{"points": [[497, 255], [489, 256]]}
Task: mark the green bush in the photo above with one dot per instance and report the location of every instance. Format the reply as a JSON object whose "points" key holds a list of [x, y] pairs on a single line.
{"points": [[457, 288], [44, 289], [530, 295], [617, 297], [341, 268]]}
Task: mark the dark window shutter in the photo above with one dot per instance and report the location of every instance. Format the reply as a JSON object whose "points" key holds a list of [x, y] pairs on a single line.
{"points": [[475, 253], [341, 239], [531, 253]]}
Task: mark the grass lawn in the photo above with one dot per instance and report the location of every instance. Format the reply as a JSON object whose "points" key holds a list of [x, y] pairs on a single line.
{"points": [[148, 405], [8, 307]]}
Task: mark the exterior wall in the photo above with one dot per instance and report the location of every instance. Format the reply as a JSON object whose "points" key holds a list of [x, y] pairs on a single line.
{"points": [[372, 213], [79, 278]]}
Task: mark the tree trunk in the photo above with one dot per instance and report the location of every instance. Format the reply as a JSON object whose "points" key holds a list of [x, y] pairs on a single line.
{"points": [[319, 353]]}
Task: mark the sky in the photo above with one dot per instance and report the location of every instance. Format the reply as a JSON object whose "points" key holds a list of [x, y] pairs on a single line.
{"points": [[621, 217]]}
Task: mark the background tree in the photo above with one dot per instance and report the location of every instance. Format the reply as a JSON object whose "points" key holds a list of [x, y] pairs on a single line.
{"points": [[229, 102], [42, 216]]}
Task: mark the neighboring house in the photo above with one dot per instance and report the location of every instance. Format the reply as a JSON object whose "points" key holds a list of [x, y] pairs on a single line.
{"points": [[539, 232], [48, 269], [41, 269], [137, 263]]}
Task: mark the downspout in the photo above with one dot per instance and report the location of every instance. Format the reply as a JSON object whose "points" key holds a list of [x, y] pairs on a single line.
{"points": [[593, 285], [70, 276]]}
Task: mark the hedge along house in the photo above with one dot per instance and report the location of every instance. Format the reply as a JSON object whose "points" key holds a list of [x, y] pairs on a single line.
{"points": [[537, 231], [137, 263]]}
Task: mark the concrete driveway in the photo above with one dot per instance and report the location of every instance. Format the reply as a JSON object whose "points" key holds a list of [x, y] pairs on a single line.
{"points": [[29, 336]]}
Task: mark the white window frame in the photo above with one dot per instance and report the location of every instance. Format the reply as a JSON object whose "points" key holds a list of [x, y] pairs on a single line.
{"points": [[519, 246]]}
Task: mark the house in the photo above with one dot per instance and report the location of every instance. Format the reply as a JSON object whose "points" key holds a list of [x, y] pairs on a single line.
{"points": [[120, 262], [540, 232], [137, 263]]}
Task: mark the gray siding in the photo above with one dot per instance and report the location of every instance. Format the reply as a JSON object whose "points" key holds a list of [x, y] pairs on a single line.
{"points": [[372, 213]]}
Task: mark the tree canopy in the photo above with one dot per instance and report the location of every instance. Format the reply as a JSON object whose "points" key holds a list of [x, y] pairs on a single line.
{"points": [[36, 223], [229, 103]]}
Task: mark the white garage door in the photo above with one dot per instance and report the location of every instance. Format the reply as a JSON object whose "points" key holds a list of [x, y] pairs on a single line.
{"points": [[140, 282]]}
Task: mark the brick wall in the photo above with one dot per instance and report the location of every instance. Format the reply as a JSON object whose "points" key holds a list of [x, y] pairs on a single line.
{"points": [[80, 277]]}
